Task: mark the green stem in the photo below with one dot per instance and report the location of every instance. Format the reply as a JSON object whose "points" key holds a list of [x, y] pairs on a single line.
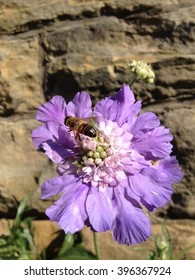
{"points": [[97, 252], [132, 81]]}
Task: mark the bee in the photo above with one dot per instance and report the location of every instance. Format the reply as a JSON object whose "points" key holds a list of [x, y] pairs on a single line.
{"points": [[80, 126]]}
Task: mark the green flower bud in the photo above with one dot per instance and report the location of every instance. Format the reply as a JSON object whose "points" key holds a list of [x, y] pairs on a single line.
{"points": [[99, 149], [98, 161], [103, 154], [84, 158], [90, 154], [96, 155]]}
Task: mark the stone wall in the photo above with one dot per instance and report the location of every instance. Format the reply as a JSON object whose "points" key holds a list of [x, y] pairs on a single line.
{"points": [[50, 47]]}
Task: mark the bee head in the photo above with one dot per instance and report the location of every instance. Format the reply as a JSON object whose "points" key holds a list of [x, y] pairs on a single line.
{"points": [[66, 120]]}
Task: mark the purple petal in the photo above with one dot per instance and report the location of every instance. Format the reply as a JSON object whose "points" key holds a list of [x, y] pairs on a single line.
{"points": [[56, 152], [53, 110], [55, 140], [67, 167], [134, 162], [171, 170], [154, 144], [106, 109], [63, 137], [80, 106], [144, 123], [69, 211], [99, 209], [131, 226], [39, 135], [49, 131], [152, 187], [116, 108], [132, 116], [124, 95], [56, 185], [146, 188]]}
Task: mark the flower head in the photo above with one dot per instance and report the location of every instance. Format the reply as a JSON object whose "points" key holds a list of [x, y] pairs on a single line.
{"points": [[142, 71], [105, 181]]}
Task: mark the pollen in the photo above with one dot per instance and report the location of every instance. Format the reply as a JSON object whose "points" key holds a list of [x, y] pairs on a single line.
{"points": [[155, 193], [154, 162]]}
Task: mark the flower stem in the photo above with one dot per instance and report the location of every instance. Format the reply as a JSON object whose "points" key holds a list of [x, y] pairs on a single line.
{"points": [[133, 81], [97, 252]]}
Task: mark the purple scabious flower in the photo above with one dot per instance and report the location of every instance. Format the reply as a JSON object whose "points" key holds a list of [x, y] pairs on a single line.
{"points": [[106, 182]]}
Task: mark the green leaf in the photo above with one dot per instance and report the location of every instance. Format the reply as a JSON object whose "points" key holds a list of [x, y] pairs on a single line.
{"points": [[77, 252], [21, 210], [183, 252], [66, 245], [20, 242]]}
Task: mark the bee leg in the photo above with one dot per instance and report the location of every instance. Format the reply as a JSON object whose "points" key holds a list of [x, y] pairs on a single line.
{"points": [[77, 136]]}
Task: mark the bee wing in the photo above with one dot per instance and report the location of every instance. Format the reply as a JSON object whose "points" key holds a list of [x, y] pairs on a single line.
{"points": [[93, 121]]}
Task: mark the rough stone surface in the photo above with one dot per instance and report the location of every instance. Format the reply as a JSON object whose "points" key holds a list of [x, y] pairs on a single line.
{"points": [[20, 75], [61, 47], [22, 168]]}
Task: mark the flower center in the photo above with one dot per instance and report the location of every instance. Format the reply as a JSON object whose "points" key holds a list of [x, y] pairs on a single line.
{"points": [[96, 157], [100, 159]]}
